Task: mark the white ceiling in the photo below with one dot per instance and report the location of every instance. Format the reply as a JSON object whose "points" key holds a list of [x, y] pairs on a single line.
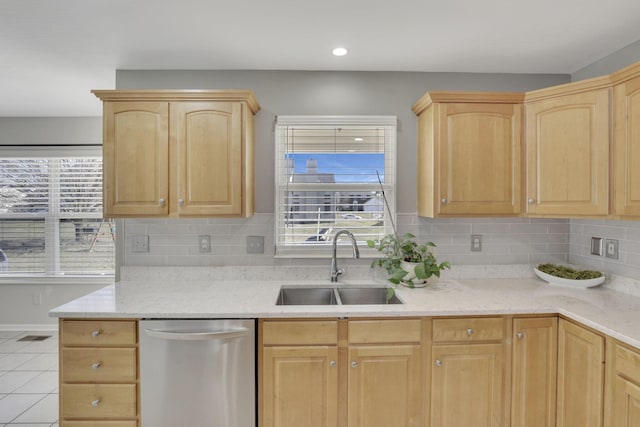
{"points": [[53, 52]]}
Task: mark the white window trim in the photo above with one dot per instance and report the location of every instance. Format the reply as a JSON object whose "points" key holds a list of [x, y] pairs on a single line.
{"points": [[389, 185]]}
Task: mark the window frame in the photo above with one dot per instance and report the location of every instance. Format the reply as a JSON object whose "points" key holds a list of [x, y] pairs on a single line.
{"points": [[52, 274], [389, 184]]}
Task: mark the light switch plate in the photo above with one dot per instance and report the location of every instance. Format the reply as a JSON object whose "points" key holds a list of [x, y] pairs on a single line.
{"points": [[596, 246]]}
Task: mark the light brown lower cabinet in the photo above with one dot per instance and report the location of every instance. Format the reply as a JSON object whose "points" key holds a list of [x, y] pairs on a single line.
{"points": [[580, 376], [468, 372], [361, 373], [623, 386], [98, 373], [534, 366]]}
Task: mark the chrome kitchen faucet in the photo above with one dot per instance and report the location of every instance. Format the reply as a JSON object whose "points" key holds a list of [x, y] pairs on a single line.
{"points": [[335, 271]]}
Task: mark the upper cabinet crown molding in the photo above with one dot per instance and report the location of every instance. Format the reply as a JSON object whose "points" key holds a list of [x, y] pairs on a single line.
{"points": [[231, 95], [627, 73], [567, 89], [467, 98]]}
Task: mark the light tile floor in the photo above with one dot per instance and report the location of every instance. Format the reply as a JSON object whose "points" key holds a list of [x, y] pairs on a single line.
{"points": [[28, 380]]}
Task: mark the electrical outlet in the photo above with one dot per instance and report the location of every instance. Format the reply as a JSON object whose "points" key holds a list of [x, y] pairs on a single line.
{"points": [[476, 243], [611, 246], [255, 244], [596, 246], [140, 243], [204, 244]]}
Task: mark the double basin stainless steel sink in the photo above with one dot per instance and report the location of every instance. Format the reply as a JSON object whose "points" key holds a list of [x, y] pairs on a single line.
{"points": [[331, 295]]}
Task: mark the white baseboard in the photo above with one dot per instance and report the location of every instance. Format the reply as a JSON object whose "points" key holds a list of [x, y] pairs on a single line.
{"points": [[40, 327]]}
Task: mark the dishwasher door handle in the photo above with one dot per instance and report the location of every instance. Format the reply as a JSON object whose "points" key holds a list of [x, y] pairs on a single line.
{"points": [[198, 336]]}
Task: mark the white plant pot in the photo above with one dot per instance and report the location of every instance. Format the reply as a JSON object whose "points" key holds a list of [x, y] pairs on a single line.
{"points": [[411, 275]]}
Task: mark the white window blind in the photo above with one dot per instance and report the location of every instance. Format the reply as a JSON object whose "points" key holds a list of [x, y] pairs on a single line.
{"points": [[333, 173], [51, 214]]}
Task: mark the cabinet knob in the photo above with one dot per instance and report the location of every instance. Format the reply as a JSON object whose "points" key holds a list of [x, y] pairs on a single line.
{"points": [[444, 201], [438, 362], [469, 331], [519, 335], [354, 364], [95, 333], [96, 365], [95, 403], [333, 363], [531, 201], [180, 202], [162, 202]]}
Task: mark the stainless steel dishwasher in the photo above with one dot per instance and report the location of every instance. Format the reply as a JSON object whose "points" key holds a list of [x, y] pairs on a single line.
{"points": [[197, 373]]}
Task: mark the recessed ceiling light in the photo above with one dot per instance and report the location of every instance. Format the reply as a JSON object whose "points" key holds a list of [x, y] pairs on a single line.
{"points": [[358, 139], [340, 51]]}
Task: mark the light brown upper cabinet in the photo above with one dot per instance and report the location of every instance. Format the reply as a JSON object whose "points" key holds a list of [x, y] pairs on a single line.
{"points": [[178, 153], [626, 142], [469, 154], [567, 149]]}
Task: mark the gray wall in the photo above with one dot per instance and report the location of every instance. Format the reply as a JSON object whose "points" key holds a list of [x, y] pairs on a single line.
{"points": [[334, 93], [617, 60], [50, 130]]}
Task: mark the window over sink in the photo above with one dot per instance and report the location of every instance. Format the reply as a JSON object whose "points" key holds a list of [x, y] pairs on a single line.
{"points": [[333, 173]]}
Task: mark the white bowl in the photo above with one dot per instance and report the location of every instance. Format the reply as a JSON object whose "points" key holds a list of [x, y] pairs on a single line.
{"points": [[585, 283]]}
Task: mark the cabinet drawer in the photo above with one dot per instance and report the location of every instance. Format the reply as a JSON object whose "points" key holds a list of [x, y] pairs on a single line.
{"points": [[628, 363], [310, 332], [468, 329], [385, 331], [98, 333], [100, 424], [99, 365], [98, 401]]}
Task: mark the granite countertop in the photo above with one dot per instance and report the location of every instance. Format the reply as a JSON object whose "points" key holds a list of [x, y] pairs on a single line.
{"points": [[610, 312]]}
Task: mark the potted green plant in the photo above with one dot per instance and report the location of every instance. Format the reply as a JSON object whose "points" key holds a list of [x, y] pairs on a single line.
{"points": [[406, 261]]}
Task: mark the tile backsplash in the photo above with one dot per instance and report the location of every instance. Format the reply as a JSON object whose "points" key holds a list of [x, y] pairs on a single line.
{"points": [[174, 242]]}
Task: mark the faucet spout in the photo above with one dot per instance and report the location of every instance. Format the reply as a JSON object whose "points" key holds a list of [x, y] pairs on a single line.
{"points": [[335, 271]]}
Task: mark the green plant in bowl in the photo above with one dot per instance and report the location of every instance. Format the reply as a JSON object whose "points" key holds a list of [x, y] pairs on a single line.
{"points": [[565, 272]]}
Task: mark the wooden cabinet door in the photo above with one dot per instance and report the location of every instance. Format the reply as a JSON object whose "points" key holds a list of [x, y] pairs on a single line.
{"points": [[479, 159], [209, 151], [533, 391], [467, 385], [136, 158], [300, 386], [580, 376], [567, 140], [626, 403], [385, 386], [627, 148]]}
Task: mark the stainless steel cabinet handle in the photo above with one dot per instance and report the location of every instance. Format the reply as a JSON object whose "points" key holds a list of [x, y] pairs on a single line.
{"points": [[354, 364], [197, 336], [519, 335], [96, 365], [95, 333], [95, 403], [531, 201], [438, 362], [162, 202], [444, 201], [181, 202], [333, 363], [469, 331]]}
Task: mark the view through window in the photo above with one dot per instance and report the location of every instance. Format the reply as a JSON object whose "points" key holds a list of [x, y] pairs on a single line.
{"points": [[51, 216], [333, 173]]}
